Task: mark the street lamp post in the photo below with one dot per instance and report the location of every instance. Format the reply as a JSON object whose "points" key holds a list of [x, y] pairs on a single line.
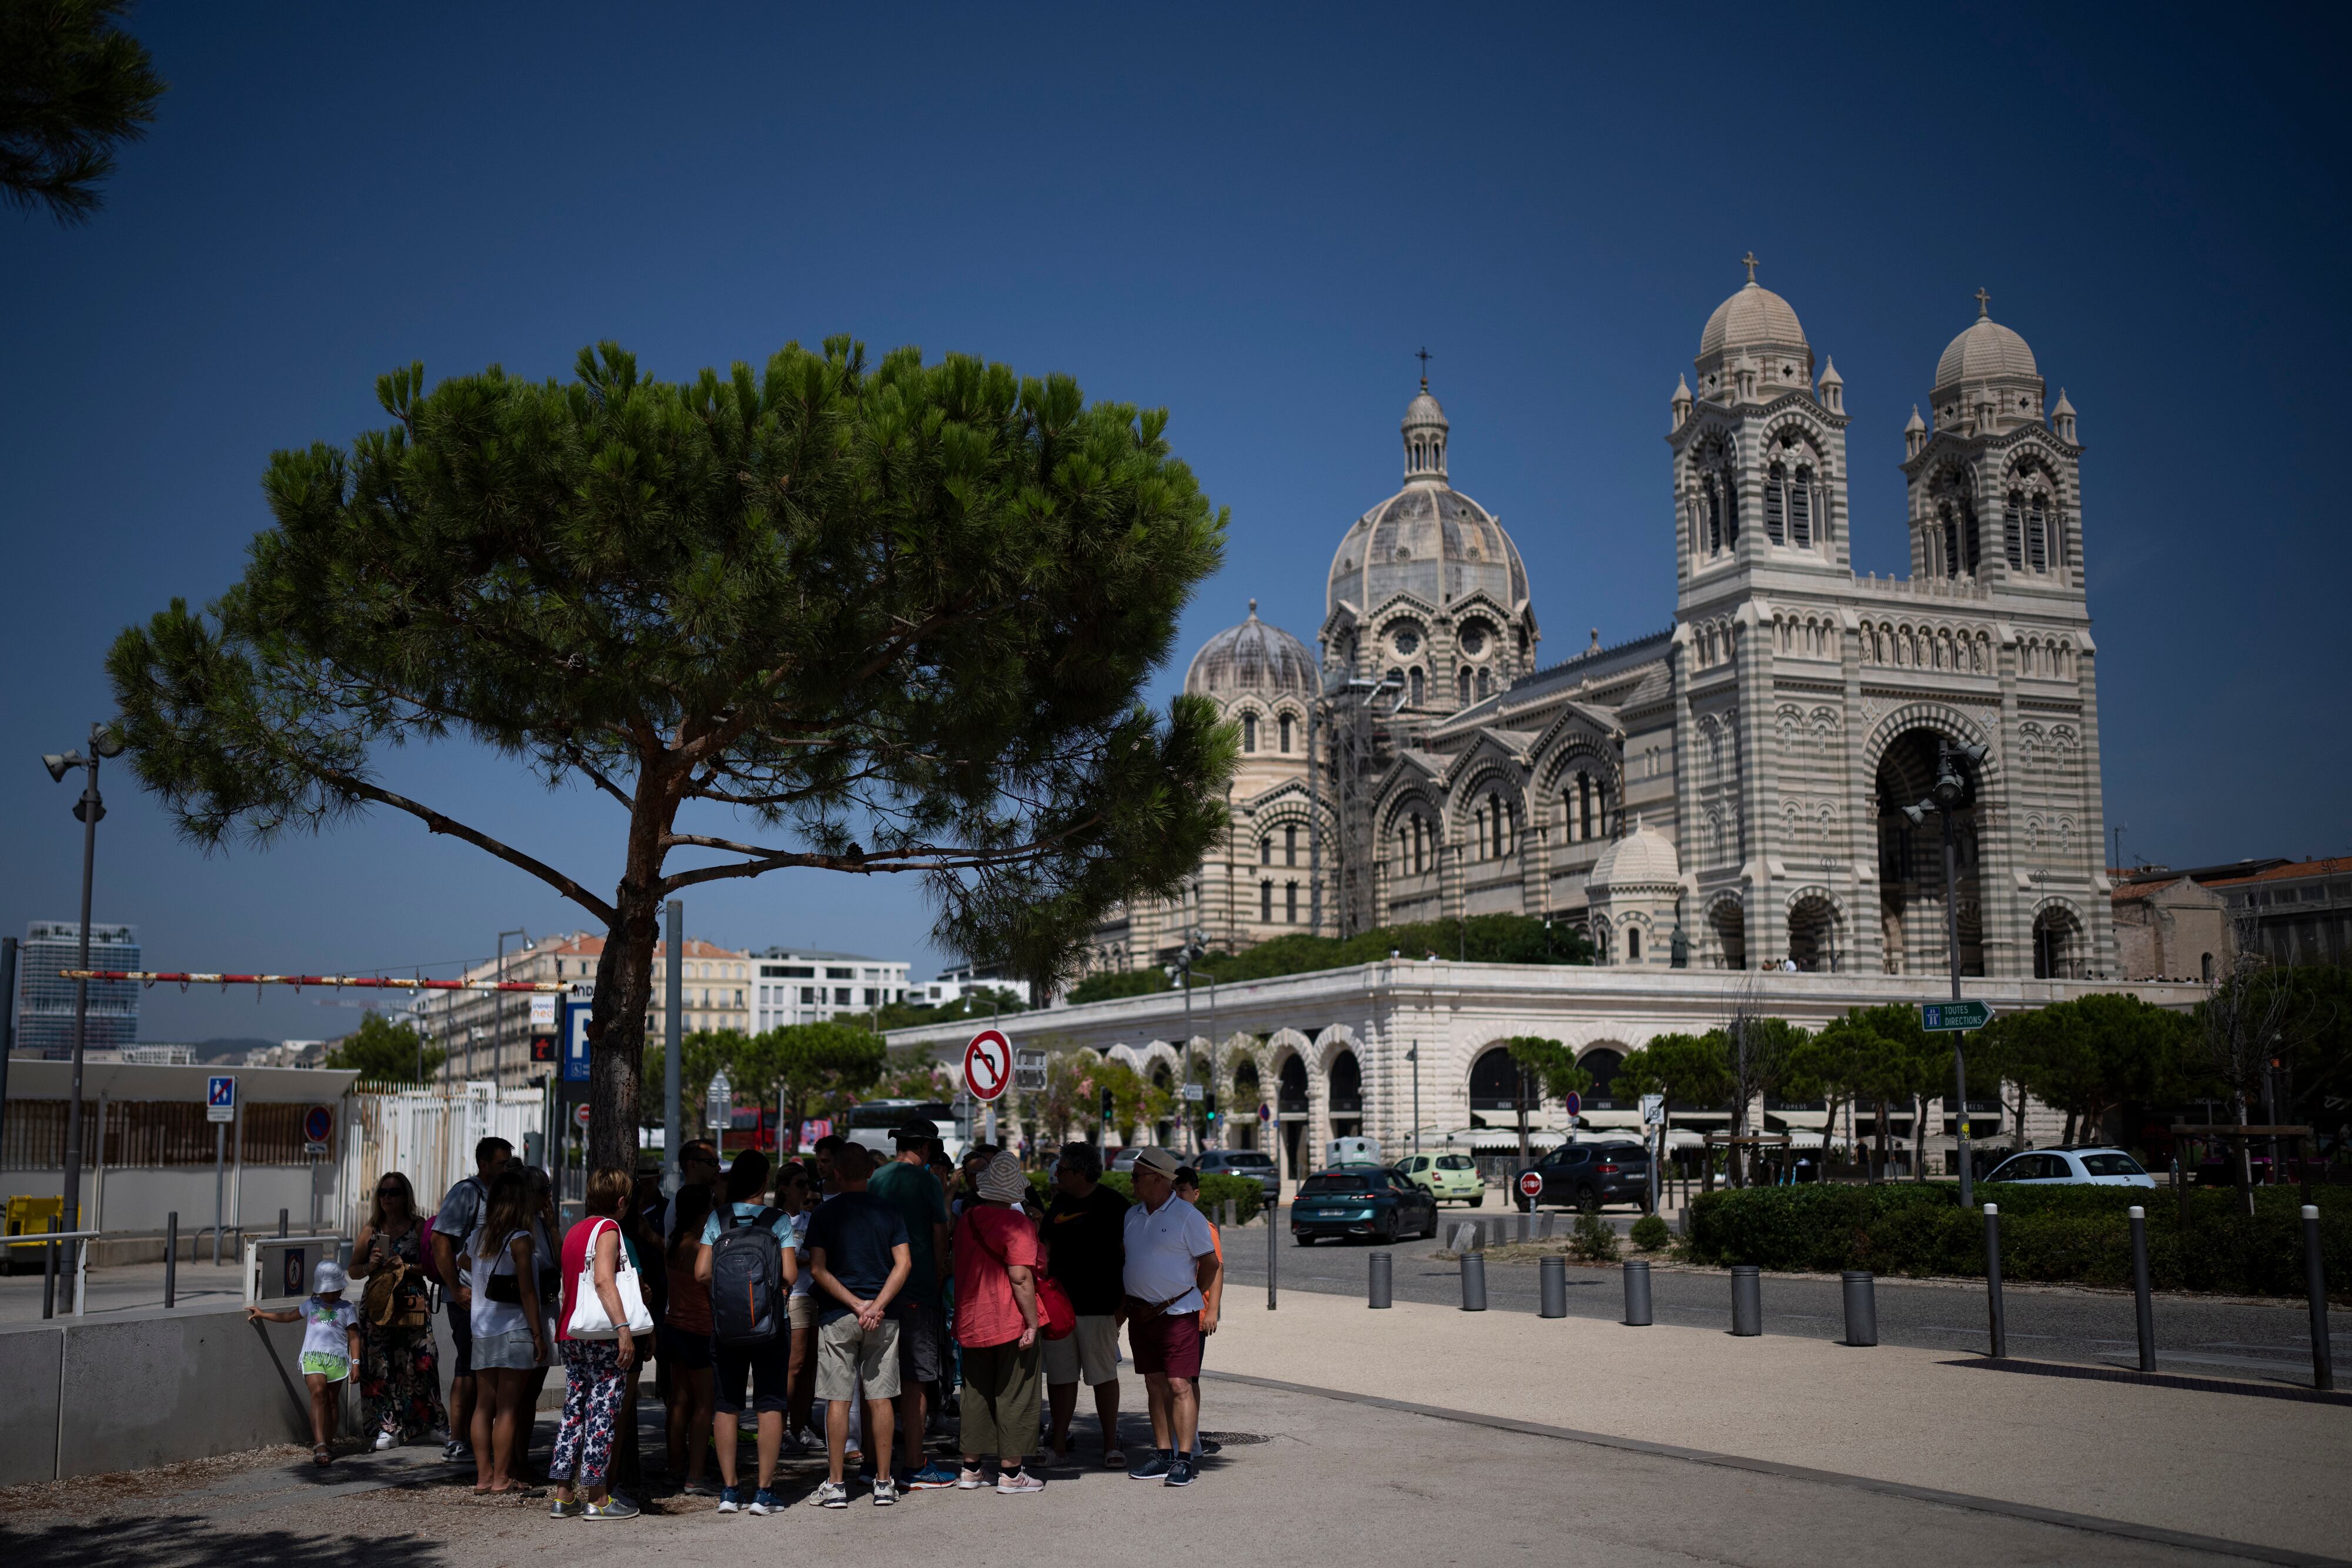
{"points": [[497, 1007], [87, 809], [1949, 792], [1181, 972]]}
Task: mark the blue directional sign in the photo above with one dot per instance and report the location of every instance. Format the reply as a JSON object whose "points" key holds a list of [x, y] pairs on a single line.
{"points": [[575, 1042], [1955, 1015], [220, 1098]]}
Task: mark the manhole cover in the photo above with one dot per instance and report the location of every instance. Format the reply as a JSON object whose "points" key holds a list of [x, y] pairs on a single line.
{"points": [[1236, 1439]]}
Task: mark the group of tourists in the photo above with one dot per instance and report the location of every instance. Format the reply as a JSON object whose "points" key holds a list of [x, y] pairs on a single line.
{"points": [[890, 1291]]}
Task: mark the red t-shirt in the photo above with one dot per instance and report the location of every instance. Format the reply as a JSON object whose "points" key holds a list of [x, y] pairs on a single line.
{"points": [[990, 1238], [577, 1244]]}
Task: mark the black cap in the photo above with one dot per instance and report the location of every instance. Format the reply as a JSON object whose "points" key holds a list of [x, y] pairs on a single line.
{"points": [[918, 1131]]}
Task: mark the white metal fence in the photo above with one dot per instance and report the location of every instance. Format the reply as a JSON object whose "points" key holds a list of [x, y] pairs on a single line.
{"points": [[427, 1136]]}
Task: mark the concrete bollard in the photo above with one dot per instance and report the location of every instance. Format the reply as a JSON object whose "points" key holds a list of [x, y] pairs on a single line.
{"points": [[1552, 1297], [1747, 1300], [170, 1259], [1995, 1323], [2314, 1279], [1383, 1277], [1861, 1306], [1473, 1282], [1637, 1294], [282, 1231], [2143, 1307], [1231, 1212]]}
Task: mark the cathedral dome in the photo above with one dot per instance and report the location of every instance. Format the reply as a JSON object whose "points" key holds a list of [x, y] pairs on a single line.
{"points": [[1641, 859], [1985, 350], [1987, 381], [1428, 539], [1753, 317], [1251, 659]]}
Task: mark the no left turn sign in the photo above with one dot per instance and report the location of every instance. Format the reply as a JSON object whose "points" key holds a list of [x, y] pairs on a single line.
{"points": [[988, 1064]]}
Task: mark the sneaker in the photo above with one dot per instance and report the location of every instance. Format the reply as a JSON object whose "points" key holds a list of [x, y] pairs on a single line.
{"points": [[456, 1449], [1155, 1467], [766, 1501], [830, 1494], [885, 1491], [731, 1500], [1027, 1481], [386, 1440], [970, 1480], [1203, 1447], [794, 1445], [697, 1488], [614, 1507], [933, 1477], [560, 1509], [1179, 1472]]}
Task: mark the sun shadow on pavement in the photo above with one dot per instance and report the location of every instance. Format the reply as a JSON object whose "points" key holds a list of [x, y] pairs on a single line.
{"points": [[189, 1541]]}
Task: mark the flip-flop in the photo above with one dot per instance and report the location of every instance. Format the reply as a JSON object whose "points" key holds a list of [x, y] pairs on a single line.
{"points": [[1114, 1459], [321, 1455]]}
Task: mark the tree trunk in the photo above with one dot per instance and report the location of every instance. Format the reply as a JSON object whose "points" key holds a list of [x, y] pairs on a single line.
{"points": [[1920, 1137], [2066, 1138], [2242, 1156], [616, 1030], [1878, 1167]]}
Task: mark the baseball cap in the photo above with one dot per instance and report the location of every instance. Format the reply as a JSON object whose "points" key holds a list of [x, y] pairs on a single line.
{"points": [[1159, 1162]]}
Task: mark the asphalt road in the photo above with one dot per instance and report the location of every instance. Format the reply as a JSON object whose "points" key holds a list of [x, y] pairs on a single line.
{"points": [[2195, 1336]]}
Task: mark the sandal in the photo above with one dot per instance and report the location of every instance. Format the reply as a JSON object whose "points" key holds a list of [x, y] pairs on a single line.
{"points": [[321, 1455], [1114, 1459]]}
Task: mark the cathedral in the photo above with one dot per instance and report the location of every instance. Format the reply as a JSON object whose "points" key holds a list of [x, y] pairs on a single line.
{"points": [[1727, 792]]}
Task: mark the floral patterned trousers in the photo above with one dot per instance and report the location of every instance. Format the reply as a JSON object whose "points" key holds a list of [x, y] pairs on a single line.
{"points": [[400, 1377], [593, 1386]]}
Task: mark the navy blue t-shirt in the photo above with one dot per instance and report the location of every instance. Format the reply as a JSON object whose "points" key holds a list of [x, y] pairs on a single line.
{"points": [[857, 1230]]}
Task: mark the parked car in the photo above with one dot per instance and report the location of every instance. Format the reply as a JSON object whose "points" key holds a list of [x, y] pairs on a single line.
{"points": [[1448, 1178], [2073, 1168], [1123, 1159], [1352, 1151], [1376, 1202], [1588, 1175], [1258, 1167]]}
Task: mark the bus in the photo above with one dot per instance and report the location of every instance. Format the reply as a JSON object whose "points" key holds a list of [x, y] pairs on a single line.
{"points": [[871, 1123]]}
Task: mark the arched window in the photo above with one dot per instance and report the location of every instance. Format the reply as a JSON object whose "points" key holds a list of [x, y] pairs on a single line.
{"points": [[1949, 523], [1290, 903], [1285, 735], [1584, 804], [1266, 902], [1482, 687], [1479, 836], [1633, 943], [2037, 531], [1418, 688], [1249, 732], [2012, 530], [1800, 509], [1776, 502], [1464, 684], [1265, 852], [1290, 845], [1711, 506]]}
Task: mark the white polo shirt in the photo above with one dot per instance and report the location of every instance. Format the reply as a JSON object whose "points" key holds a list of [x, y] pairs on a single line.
{"points": [[1163, 1248]]}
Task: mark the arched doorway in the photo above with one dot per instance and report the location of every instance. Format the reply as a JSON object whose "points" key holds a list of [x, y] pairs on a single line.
{"points": [[1814, 936], [1164, 1130], [1603, 1063], [1911, 862], [1290, 1110], [1346, 1088], [1494, 1084], [1729, 925], [2059, 945], [1242, 1129]]}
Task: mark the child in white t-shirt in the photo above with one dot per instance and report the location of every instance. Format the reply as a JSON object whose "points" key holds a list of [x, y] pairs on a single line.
{"points": [[330, 1347]]}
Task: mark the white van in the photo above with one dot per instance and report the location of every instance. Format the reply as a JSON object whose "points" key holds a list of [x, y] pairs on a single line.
{"points": [[1351, 1152]]}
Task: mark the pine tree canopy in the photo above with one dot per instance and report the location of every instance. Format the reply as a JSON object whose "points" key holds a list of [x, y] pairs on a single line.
{"points": [[893, 618]]}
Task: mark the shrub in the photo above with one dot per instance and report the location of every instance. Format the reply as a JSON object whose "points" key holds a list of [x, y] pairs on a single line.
{"points": [[1247, 1196], [2074, 1235], [1650, 1233], [1594, 1239]]}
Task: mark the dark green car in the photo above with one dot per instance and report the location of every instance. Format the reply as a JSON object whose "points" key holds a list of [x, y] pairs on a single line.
{"points": [[1369, 1201]]}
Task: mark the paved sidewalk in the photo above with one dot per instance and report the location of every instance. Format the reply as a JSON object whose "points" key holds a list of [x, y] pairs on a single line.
{"points": [[2262, 1470]]}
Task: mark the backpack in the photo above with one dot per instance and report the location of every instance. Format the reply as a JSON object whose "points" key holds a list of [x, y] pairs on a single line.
{"points": [[747, 1280], [425, 1263]]}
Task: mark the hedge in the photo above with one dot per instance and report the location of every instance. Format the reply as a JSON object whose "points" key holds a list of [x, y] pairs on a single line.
{"points": [[1246, 1193], [2071, 1235]]}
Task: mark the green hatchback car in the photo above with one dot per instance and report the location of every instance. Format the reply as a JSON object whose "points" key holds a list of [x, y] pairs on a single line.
{"points": [[1450, 1178]]}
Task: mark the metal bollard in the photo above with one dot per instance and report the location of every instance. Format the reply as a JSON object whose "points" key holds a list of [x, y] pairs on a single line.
{"points": [[1637, 1294], [1384, 1279], [1860, 1289], [2143, 1308], [1551, 1281], [1747, 1300], [282, 1223], [1231, 1210], [1273, 1249], [2315, 1276], [171, 1259], [1999, 1327], [1473, 1282]]}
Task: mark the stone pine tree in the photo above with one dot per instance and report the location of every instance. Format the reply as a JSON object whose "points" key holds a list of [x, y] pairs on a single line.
{"points": [[891, 618], [73, 87]]}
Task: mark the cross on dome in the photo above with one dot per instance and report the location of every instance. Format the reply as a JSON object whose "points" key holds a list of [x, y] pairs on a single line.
{"points": [[1749, 261], [1423, 355], [1984, 305]]}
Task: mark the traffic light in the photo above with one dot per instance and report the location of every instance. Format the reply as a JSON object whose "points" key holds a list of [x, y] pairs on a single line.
{"points": [[1109, 1107], [1209, 1106]]}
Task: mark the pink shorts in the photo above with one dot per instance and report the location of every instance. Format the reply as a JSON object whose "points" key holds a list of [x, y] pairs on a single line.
{"points": [[1167, 1344]]}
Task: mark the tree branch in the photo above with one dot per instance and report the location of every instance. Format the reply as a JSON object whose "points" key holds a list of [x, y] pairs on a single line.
{"points": [[436, 822]]}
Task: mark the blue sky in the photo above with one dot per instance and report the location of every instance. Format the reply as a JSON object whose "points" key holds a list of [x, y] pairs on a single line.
{"points": [[1250, 216]]}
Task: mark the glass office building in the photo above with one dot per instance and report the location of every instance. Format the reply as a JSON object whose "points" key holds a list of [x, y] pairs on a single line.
{"points": [[45, 999]]}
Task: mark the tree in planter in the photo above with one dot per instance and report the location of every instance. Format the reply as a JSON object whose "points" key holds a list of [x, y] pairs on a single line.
{"points": [[382, 1052], [898, 617], [1687, 1069]]}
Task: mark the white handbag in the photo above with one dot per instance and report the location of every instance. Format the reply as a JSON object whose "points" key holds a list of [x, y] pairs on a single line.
{"points": [[588, 1319]]}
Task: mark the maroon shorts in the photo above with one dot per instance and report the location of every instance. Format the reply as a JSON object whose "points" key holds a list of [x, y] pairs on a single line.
{"points": [[1168, 1345]]}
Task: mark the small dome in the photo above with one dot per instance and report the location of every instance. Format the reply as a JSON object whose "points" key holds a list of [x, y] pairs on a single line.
{"points": [[1641, 859], [1429, 539], [1755, 316], [1987, 349], [1422, 412], [1251, 659]]}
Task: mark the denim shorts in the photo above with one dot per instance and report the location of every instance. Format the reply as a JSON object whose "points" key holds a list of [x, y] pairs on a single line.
{"points": [[509, 1351]]}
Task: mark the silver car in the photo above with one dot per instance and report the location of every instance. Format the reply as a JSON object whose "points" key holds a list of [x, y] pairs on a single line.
{"points": [[1258, 1167], [2074, 1167]]}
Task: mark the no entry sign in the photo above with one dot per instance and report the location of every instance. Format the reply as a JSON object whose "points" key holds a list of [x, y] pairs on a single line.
{"points": [[988, 1064], [1530, 1185], [581, 1115]]}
